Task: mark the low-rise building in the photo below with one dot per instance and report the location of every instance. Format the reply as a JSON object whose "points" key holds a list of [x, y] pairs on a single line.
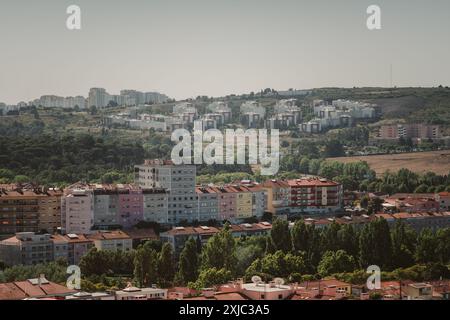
{"points": [[91, 296], [38, 288], [443, 198], [178, 236], [409, 131], [417, 291], [327, 289], [111, 240], [413, 202], [134, 293], [77, 245], [26, 248], [419, 221]]}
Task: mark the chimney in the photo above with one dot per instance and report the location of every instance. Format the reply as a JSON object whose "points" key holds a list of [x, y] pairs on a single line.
{"points": [[40, 279]]}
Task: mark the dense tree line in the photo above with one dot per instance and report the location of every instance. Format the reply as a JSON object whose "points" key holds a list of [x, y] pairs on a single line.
{"points": [[297, 254], [341, 249], [359, 176], [48, 159]]}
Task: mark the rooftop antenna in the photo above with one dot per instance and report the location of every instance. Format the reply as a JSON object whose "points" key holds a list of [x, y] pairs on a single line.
{"points": [[256, 280], [279, 281]]}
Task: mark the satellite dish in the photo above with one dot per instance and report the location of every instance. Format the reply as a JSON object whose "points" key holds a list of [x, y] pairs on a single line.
{"points": [[256, 279], [278, 281]]}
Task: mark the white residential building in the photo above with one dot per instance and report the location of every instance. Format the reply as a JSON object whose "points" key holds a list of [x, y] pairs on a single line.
{"points": [[98, 97], [221, 108], [134, 293], [155, 205], [77, 210], [253, 107], [179, 180], [72, 102], [111, 240]]}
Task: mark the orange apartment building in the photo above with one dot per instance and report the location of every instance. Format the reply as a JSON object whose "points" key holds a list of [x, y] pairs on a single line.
{"points": [[29, 209]]}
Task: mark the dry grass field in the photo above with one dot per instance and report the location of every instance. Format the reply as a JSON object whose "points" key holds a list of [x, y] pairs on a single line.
{"points": [[420, 162]]}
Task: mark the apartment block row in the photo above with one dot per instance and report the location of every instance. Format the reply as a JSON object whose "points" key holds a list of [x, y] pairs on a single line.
{"points": [[252, 113], [29, 248], [178, 236], [340, 113], [188, 202], [29, 209], [99, 98], [409, 131], [304, 196], [164, 193], [286, 114]]}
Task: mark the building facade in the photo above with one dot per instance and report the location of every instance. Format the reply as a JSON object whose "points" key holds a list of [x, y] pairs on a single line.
{"points": [[178, 180], [26, 248], [77, 210]]}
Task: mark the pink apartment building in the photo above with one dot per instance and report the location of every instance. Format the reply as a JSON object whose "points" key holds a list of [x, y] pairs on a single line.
{"points": [[131, 207], [227, 202]]}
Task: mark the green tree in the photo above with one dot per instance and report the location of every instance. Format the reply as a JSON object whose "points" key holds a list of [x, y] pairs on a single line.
{"points": [[211, 277], [314, 166], [300, 236], [336, 262], [364, 202], [333, 148], [21, 179], [277, 264], [145, 266], [403, 244], [280, 235], [348, 240], [375, 244], [248, 251], [96, 262], [188, 262], [304, 165], [220, 251], [270, 247], [427, 243], [166, 270], [375, 205], [443, 246], [330, 241]]}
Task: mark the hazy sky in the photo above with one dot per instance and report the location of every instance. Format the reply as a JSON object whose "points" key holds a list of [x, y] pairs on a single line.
{"points": [[186, 48]]}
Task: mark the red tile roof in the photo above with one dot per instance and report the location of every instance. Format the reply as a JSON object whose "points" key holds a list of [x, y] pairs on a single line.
{"points": [[229, 296], [276, 184], [9, 291], [80, 238], [109, 235], [26, 289], [312, 182], [324, 283]]}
